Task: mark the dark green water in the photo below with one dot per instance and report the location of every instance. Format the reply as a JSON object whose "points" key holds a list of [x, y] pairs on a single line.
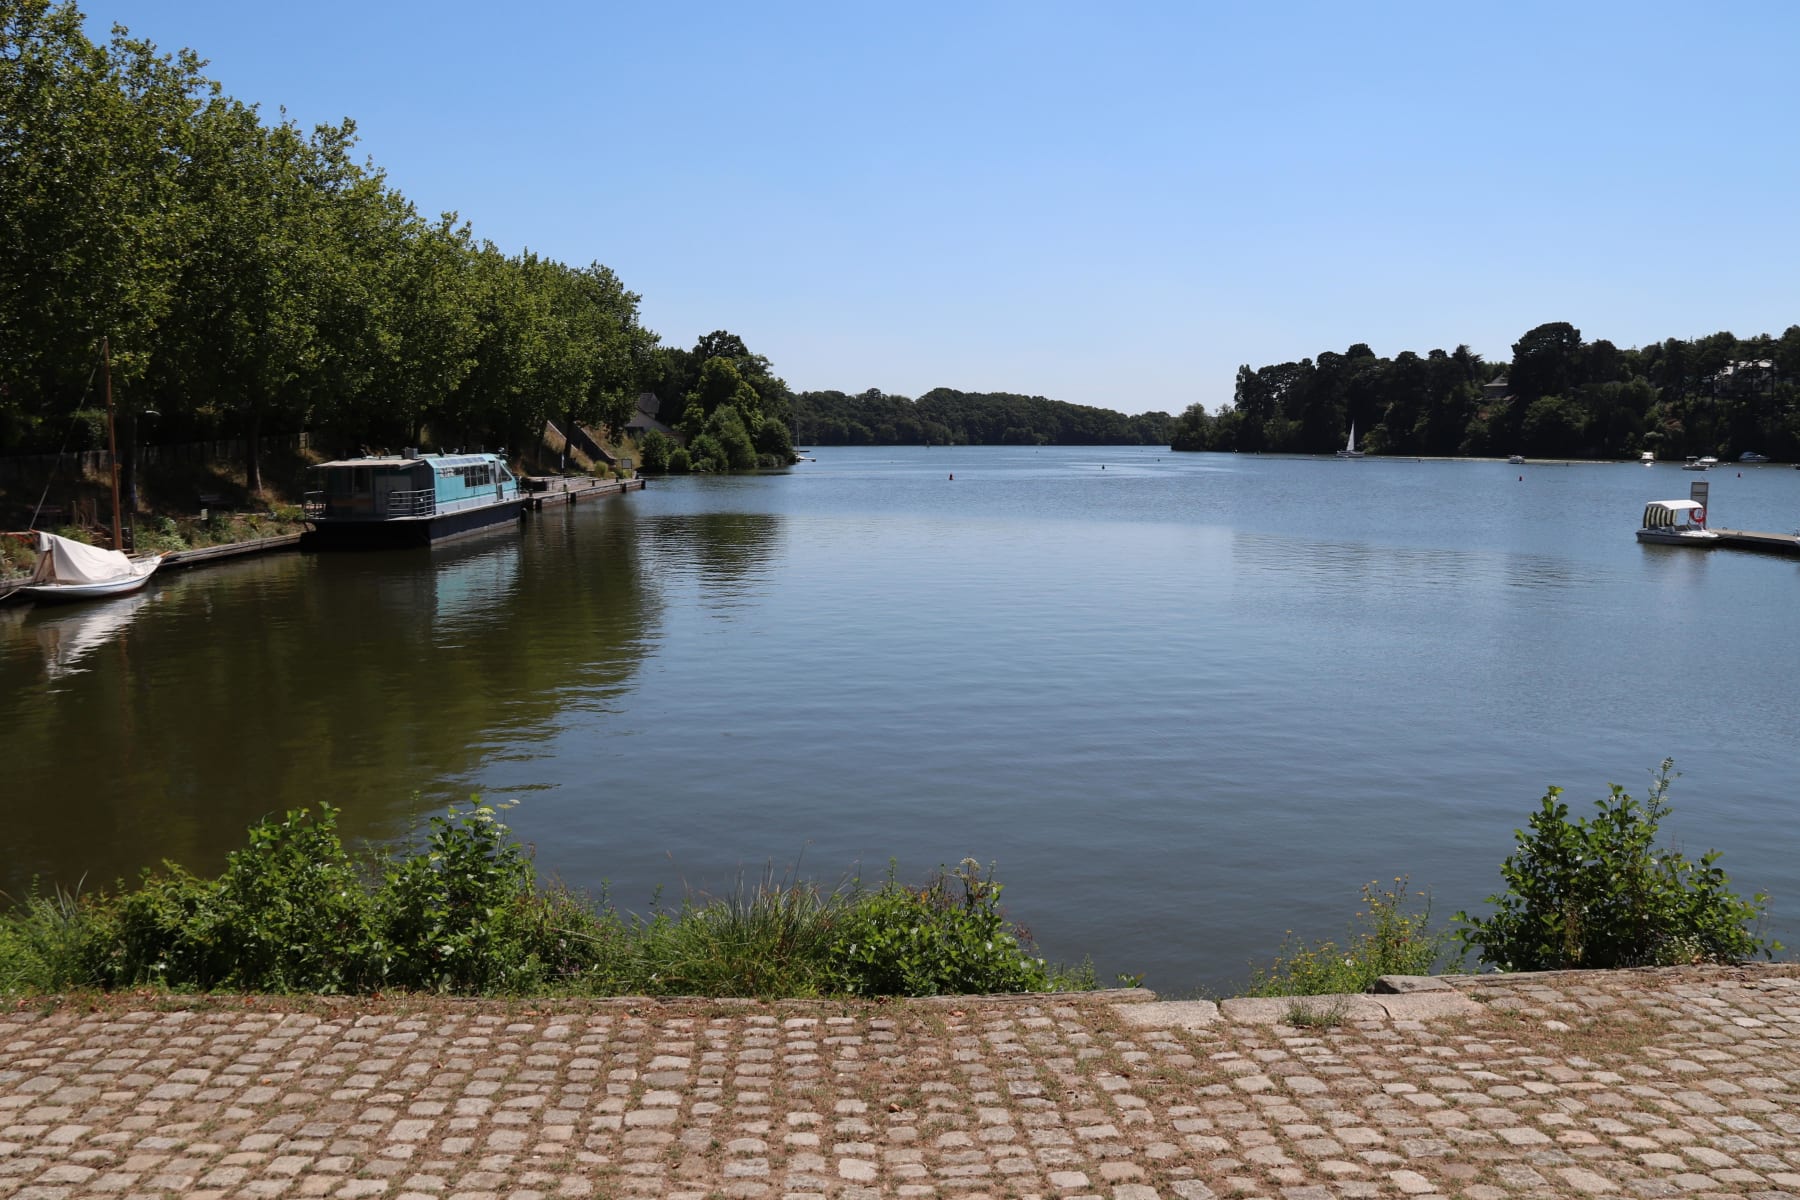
{"points": [[1186, 702]]}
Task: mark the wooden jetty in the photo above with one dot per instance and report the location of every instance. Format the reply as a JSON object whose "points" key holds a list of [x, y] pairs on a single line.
{"points": [[210, 554], [548, 491], [1767, 543]]}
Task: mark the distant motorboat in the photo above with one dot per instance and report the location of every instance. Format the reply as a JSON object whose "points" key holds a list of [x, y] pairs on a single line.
{"points": [[1751, 456], [1517, 460], [1697, 464], [1648, 458], [1350, 450]]}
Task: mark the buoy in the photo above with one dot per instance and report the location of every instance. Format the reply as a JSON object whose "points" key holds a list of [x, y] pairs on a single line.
{"points": [[1521, 479], [953, 477]]}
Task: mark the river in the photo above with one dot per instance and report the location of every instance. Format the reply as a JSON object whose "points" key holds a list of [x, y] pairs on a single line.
{"points": [[1186, 702]]}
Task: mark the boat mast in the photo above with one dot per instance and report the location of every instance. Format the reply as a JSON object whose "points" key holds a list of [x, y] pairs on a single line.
{"points": [[112, 443]]}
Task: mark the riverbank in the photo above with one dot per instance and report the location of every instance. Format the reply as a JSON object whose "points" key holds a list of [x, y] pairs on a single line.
{"points": [[1634, 1083], [545, 492]]}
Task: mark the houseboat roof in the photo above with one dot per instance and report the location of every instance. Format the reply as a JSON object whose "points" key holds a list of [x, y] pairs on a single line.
{"points": [[399, 460]]}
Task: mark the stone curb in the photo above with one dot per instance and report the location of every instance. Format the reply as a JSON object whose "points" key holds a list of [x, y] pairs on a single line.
{"points": [[1281, 1010]]}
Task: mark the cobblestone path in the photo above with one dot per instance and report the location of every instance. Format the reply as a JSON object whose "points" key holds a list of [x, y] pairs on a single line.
{"points": [[1680, 1082]]}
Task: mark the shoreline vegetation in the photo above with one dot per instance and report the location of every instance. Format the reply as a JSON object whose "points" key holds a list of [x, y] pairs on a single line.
{"points": [[1560, 397], [464, 913]]}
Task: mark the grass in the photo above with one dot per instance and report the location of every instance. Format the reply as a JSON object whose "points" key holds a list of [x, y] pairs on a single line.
{"points": [[1616, 1033], [1306, 1013], [1388, 937]]}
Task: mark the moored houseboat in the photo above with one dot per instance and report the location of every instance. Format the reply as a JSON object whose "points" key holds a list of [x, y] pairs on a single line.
{"points": [[409, 499]]}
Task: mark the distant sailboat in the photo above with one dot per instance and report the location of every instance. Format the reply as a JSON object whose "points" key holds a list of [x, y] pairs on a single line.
{"points": [[1350, 450]]}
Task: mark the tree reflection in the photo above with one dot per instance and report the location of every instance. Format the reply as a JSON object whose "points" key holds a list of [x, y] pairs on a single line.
{"points": [[371, 680]]}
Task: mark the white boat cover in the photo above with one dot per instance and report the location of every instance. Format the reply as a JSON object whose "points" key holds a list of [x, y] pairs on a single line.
{"points": [[61, 560]]}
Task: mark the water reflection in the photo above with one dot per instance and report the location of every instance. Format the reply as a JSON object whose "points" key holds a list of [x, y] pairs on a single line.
{"points": [[728, 556], [472, 581], [67, 635], [385, 683]]}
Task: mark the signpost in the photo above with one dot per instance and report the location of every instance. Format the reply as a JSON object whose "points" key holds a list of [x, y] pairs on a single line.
{"points": [[1697, 493]]}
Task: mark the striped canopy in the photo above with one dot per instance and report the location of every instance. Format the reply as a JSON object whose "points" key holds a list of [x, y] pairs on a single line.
{"points": [[1659, 514]]}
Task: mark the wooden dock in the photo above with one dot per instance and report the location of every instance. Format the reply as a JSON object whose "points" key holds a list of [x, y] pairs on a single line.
{"points": [[1766, 543], [211, 554], [550, 491]]}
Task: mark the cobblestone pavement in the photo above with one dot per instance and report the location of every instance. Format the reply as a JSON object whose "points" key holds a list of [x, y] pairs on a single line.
{"points": [[1680, 1082]]}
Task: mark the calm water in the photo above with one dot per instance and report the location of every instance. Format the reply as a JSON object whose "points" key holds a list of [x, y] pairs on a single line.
{"points": [[1186, 702]]}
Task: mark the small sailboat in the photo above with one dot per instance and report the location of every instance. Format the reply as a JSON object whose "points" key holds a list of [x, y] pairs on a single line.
{"points": [[1350, 450], [71, 570]]}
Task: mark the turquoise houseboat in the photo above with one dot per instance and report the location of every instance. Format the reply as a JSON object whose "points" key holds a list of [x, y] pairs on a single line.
{"points": [[409, 499]]}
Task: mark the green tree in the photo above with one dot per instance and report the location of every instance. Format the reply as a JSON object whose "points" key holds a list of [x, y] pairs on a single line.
{"points": [[92, 142], [727, 429], [1546, 361], [654, 451]]}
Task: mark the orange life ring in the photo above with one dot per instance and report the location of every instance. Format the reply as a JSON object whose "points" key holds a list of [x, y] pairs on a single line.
{"points": [[1699, 516]]}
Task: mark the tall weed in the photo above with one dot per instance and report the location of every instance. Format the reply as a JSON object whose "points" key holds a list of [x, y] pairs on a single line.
{"points": [[1388, 938]]}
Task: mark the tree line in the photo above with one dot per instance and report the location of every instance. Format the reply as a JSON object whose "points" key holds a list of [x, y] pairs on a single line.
{"points": [[1560, 396], [253, 278], [944, 416]]}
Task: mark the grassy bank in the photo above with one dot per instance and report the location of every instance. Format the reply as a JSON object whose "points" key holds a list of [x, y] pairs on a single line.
{"points": [[464, 914]]}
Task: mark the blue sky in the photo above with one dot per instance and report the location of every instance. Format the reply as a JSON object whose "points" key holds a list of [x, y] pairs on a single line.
{"points": [[1112, 205]]}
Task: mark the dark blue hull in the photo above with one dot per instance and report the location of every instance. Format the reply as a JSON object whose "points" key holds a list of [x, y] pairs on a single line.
{"points": [[327, 534]]}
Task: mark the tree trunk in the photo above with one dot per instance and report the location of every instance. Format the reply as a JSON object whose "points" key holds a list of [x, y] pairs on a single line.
{"points": [[253, 452]]}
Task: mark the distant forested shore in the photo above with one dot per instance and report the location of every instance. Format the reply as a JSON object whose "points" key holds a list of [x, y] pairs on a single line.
{"points": [[944, 416], [1559, 397]]}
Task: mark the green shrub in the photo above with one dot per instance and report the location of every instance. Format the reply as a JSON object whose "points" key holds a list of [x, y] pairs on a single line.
{"points": [[707, 455], [774, 444], [158, 534], [1387, 940], [1597, 892], [946, 938], [445, 916], [290, 913], [680, 461]]}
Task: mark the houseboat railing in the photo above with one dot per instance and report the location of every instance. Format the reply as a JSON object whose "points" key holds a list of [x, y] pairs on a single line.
{"points": [[412, 504], [421, 503]]}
